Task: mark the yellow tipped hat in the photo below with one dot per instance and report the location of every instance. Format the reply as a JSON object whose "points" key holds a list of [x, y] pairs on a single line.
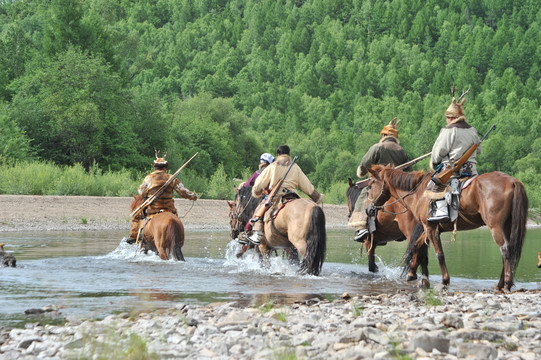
{"points": [[391, 129]]}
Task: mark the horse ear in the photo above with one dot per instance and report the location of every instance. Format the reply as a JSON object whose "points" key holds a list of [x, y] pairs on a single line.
{"points": [[374, 172], [229, 203], [350, 182]]}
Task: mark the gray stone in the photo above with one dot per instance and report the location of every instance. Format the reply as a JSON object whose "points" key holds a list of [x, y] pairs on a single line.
{"points": [[428, 343], [477, 351], [453, 321]]}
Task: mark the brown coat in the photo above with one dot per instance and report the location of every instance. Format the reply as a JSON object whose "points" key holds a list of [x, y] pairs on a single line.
{"points": [[153, 182]]}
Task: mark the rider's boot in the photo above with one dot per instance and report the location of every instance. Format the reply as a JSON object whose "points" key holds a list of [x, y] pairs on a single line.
{"points": [[439, 211], [257, 233]]}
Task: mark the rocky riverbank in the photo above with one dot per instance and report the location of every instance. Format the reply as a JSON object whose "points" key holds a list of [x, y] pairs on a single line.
{"points": [[419, 325], [423, 325]]}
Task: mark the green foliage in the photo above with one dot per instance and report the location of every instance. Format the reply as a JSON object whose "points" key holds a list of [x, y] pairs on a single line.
{"points": [[431, 298], [220, 185], [45, 178], [97, 82]]}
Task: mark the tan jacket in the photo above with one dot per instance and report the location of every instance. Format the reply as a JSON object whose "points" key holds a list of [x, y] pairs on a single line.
{"points": [[276, 171], [153, 182], [452, 143]]}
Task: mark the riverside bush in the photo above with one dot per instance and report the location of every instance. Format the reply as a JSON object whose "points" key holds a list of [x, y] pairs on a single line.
{"points": [[44, 178]]}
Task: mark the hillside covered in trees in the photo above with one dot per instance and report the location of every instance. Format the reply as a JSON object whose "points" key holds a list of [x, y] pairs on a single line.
{"points": [[104, 82]]}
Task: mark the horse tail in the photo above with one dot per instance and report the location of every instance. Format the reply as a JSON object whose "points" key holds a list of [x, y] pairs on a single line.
{"points": [[174, 234], [412, 249], [519, 218], [316, 244]]}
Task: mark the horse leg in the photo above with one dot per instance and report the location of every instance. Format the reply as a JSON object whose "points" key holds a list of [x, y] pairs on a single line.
{"points": [[292, 255], [506, 277], [371, 253], [264, 250], [434, 237], [243, 249]]}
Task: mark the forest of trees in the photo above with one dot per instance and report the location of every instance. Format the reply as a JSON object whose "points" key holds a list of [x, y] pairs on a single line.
{"points": [[105, 82]]}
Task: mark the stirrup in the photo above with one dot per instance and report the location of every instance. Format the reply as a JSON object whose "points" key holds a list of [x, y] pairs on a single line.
{"points": [[242, 239], [360, 235]]}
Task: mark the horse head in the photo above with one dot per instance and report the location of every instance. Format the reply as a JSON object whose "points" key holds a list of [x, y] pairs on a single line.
{"points": [[352, 194], [379, 188], [234, 216]]}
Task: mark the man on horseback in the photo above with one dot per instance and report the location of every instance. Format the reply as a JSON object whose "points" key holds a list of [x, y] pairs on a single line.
{"points": [[452, 142], [272, 176], [386, 152], [165, 202]]}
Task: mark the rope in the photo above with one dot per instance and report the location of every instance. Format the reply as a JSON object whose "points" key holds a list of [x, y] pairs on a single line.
{"points": [[190, 209]]}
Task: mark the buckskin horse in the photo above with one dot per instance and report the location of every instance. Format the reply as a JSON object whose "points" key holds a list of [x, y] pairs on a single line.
{"points": [[241, 210], [494, 199], [299, 224], [163, 233], [394, 223]]}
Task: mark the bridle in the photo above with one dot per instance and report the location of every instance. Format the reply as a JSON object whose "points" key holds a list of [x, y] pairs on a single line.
{"points": [[398, 199], [238, 211]]}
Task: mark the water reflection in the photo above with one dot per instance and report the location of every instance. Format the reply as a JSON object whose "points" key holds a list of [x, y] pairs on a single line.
{"points": [[93, 274]]}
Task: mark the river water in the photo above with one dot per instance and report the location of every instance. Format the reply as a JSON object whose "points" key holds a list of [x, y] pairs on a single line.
{"points": [[94, 274]]}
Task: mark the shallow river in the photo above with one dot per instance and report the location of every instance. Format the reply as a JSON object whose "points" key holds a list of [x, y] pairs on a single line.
{"points": [[93, 274]]}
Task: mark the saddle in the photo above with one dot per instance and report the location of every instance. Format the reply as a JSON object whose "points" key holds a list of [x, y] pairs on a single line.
{"points": [[451, 194]]}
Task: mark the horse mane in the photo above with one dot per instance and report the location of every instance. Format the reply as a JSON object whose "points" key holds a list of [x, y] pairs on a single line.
{"points": [[247, 203], [402, 180]]}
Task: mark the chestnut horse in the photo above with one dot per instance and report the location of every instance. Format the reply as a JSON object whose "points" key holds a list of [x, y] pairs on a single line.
{"points": [[300, 225], [163, 233], [394, 223], [494, 199]]}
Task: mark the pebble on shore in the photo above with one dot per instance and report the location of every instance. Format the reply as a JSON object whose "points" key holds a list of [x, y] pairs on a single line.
{"points": [[422, 325]]}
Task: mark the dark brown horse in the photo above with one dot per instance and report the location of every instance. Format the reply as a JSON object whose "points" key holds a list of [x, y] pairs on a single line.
{"points": [[494, 199], [393, 223], [299, 227], [163, 233]]}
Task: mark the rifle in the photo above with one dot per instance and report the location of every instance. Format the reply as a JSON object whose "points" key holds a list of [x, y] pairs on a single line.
{"points": [[445, 175], [362, 183], [272, 194], [157, 194]]}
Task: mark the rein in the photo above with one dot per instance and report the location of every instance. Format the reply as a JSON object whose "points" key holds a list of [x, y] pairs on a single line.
{"points": [[400, 199], [187, 212]]}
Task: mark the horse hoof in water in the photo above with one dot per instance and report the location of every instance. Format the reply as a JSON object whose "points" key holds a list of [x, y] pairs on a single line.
{"points": [[411, 277], [425, 284]]}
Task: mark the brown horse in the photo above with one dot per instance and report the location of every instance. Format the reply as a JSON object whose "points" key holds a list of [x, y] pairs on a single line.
{"points": [[163, 233], [299, 227], [394, 223], [494, 199]]}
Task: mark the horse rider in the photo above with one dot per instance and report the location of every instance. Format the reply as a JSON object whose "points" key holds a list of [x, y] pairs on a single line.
{"points": [[165, 202], [264, 160], [452, 142], [386, 152], [270, 177]]}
